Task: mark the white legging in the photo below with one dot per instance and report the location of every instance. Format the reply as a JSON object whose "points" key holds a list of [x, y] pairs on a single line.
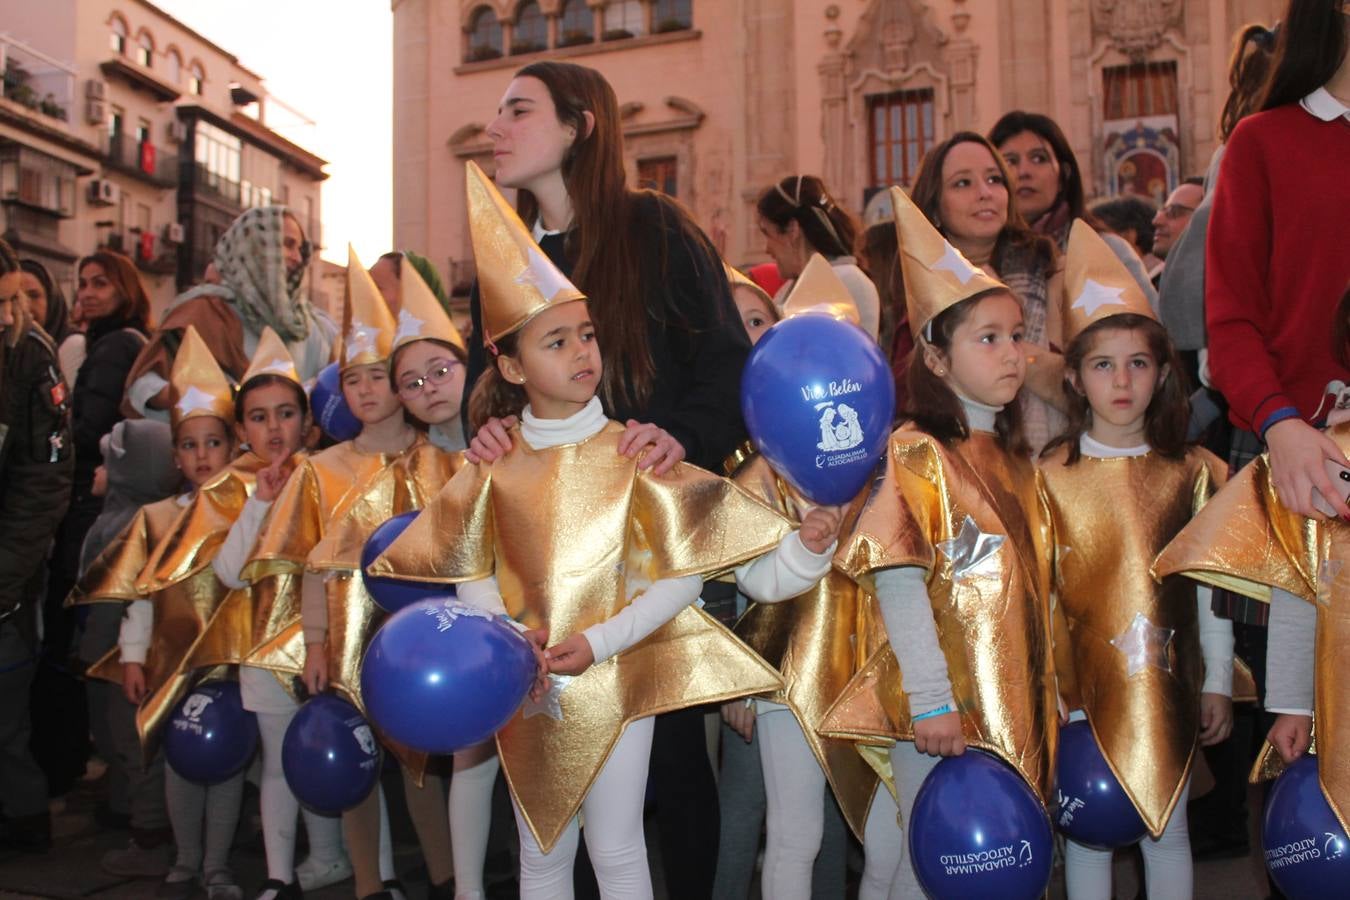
{"points": [[203, 820], [614, 836], [1167, 863], [279, 807], [888, 872], [471, 815]]}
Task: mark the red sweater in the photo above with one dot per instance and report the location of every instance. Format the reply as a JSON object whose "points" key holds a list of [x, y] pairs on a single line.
{"points": [[1277, 260]]}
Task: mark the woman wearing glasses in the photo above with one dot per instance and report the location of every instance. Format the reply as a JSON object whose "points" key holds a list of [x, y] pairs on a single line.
{"points": [[798, 217]]}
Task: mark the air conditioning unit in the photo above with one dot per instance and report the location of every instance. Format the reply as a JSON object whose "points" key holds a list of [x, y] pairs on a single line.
{"points": [[95, 112], [177, 131], [103, 192], [173, 233], [94, 89]]}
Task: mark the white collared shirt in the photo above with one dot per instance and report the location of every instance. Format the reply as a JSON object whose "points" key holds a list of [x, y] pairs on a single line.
{"points": [[1322, 104]]}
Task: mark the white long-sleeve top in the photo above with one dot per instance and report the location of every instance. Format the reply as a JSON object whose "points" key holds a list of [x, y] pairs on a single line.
{"points": [[1216, 634], [133, 638], [238, 547], [1290, 661], [657, 605]]}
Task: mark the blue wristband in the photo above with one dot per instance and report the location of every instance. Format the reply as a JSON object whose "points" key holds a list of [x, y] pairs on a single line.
{"points": [[1279, 415], [940, 711]]}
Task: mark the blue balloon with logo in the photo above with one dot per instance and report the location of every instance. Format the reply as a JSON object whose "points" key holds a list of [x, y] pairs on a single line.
{"points": [[1093, 807], [210, 736], [330, 408], [1307, 850], [440, 676], [818, 399], [977, 830], [330, 755], [392, 594]]}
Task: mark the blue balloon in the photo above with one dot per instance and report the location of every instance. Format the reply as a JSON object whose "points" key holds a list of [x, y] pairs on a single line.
{"points": [[392, 594], [978, 831], [1093, 808], [330, 755], [1307, 851], [330, 408], [440, 676], [819, 399], [210, 735]]}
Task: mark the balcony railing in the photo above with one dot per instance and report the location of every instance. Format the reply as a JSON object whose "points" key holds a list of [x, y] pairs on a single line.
{"points": [[36, 80], [143, 160], [212, 182]]}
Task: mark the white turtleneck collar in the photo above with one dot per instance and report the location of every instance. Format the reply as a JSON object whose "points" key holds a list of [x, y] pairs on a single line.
{"points": [[979, 416], [541, 433], [1091, 447]]}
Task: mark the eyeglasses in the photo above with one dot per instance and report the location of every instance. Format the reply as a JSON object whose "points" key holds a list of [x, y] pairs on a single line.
{"points": [[438, 374], [1176, 210]]}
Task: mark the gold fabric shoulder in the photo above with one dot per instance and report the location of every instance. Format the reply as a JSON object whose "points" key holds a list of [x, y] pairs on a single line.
{"points": [[200, 529], [114, 574]]}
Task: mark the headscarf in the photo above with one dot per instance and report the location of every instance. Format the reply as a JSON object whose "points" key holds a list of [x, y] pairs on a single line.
{"points": [[253, 276], [57, 321]]}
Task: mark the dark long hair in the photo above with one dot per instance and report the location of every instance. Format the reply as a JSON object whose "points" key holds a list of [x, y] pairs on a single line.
{"points": [[57, 323], [1169, 411], [934, 407], [121, 271], [608, 263], [1048, 130], [492, 396], [264, 380], [927, 196], [829, 229], [1248, 69], [1308, 52]]}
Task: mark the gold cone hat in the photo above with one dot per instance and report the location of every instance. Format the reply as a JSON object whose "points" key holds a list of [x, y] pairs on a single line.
{"points": [[367, 325], [1096, 283], [937, 276], [197, 386], [818, 290], [421, 316], [271, 358], [516, 281], [739, 278]]}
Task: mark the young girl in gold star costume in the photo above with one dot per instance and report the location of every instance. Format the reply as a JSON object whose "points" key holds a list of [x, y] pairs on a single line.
{"points": [[952, 544], [603, 560], [315, 532], [271, 415], [161, 567], [1153, 664], [816, 626]]}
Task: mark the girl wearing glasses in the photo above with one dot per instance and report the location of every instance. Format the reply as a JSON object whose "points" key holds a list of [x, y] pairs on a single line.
{"points": [[428, 363]]}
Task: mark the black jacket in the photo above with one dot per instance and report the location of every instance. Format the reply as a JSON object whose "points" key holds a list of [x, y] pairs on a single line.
{"points": [[697, 341], [113, 345], [36, 459]]}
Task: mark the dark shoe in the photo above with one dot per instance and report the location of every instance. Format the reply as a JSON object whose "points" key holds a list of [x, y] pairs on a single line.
{"points": [[27, 834], [283, 891], [109, 820], [1209, 847], [444, 891]]}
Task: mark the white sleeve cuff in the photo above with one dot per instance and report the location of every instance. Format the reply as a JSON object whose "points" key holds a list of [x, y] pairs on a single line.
{"points": [[1290, 712], [133, 638], [1216, 645], [482, 594], [784, 572], [647, 612], [142, 390]]}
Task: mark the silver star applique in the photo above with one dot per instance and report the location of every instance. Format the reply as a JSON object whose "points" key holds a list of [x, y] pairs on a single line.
{"points": [[1327, 573], [193, 399], [1144, 644], [971, 551], [952, 261], [360, 339], [1095, 295], [409, 326], [541, 273], [551, 703], [276, 365]]}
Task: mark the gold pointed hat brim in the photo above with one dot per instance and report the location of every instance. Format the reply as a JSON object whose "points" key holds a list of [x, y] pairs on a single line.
{"points": [[271, 358], [937, 276], [197, 386], [737, 278], [367, 325], [516, 280], [421, 316], [1096, 283], [818, 290]]}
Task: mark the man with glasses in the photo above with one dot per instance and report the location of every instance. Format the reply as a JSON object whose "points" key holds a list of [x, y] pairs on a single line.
{"points": [[1172, 220]]}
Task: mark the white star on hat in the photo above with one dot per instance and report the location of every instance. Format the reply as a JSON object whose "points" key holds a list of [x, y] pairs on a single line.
{"points": [[540, 272], [408, 326], [360, 339], [1095, 295], [952, 261], [276, 365], [194, 399]]}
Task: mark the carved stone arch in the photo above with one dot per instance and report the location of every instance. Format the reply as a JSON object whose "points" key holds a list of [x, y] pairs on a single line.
{"points": [[118, 17], [468, 11], [144, 32]]}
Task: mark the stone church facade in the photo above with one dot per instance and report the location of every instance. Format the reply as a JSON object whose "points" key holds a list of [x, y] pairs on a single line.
{"points": [[720, 98]]}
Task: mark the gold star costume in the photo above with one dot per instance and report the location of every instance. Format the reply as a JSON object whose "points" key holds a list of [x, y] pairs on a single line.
{"points": [[165, 553], [817, 639], [1246, 541], [573, 533], [320, 522], [968, 514]]}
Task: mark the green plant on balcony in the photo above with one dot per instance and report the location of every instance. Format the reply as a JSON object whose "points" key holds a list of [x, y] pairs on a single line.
{"points": [[616, 34], [484, 52], [24, 94], [50, 107], [668, 25], [574, 37]]}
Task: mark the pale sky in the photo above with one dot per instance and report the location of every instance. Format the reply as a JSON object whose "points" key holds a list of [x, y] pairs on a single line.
{"points": [[332, 60]]}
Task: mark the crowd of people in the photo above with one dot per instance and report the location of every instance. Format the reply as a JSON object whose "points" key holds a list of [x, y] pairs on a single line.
{"points": [[1074, 380]]}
